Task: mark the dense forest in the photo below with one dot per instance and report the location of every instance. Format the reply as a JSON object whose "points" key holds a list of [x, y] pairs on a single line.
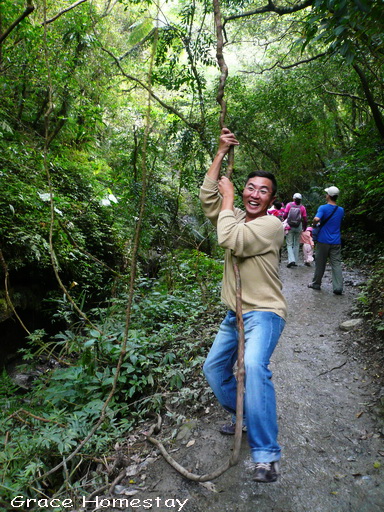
{"points": [[109, 119]]}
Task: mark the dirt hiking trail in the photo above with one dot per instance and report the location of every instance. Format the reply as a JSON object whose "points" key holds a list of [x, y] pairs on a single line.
{"points": [[332, 446]]}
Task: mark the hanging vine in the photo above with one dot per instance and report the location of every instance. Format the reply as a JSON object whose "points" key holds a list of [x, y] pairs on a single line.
{"points": [[133, 266], [240, 361], [231, 159]]}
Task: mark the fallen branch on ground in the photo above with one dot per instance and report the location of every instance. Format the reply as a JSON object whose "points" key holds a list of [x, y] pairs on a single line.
{"points": [[334, 368]]}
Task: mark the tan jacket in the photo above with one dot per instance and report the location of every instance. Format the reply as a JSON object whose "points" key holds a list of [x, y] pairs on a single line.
{"points": [[256, 245]]}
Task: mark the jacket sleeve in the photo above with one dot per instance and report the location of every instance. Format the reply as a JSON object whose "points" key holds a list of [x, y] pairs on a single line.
{"points": [[251, 238], [211, 201]]}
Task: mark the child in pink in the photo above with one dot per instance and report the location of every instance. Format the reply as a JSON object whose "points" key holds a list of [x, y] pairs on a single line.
{"points": [[277, 210], [308, 244]]}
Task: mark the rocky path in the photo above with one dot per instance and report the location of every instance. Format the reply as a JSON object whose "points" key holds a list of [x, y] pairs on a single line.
{"points": [[333, 452]]}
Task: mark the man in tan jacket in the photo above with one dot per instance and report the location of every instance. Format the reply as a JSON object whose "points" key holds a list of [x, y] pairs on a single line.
{"points": [[255, 238]]}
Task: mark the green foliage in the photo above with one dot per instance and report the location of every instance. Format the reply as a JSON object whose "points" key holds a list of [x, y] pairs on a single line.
{"points": [[176, 40], [360, 175], [282, 126], [164, 351], [80, 223], [371, 299], [310, 124], [183, 269], [345, 26]]}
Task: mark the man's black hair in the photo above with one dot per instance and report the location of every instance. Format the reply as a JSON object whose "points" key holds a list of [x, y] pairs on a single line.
{"points": [[334, 198], [264, 174]]}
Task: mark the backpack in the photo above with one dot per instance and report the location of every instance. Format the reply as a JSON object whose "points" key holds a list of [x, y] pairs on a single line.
{"points": [[294, 215]]}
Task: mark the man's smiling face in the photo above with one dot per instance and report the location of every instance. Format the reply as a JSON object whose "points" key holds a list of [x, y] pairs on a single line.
{"points": [[257, 197]]}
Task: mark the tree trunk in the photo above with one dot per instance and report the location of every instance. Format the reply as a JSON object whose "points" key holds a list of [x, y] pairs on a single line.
{"points": [[371, 102]]}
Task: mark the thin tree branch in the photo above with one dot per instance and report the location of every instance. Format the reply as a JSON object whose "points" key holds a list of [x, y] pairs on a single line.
{"points": [[271, 7], [289, 66], [39, 418], [195, 73], [46, 22], [371, 102], [149, 90], [30, 8], [187, 474], [85, 252], [135, 250], [197, 127], [6, 288], [352, 96], [239, 316], [334, 368], [262, 149], [239, 306], [137, 45]]}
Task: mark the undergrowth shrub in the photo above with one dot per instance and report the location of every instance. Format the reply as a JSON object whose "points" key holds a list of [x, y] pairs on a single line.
{"points": [[371, 299], [165, 348]]}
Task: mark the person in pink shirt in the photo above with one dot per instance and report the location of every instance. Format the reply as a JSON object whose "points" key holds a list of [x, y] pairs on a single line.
{"points": [[296, 216], [277, 210], [308, 245]]}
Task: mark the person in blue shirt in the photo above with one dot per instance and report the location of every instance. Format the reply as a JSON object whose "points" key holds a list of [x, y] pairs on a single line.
{"points": [[329, 241]]}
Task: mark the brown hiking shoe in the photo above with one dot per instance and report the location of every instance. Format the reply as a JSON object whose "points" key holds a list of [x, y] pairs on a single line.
{"points": [[229, 429], [266, 472]]}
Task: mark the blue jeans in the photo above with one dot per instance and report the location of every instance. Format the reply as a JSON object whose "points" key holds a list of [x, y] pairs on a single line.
{"points": [[293, 244], [262, 330]]}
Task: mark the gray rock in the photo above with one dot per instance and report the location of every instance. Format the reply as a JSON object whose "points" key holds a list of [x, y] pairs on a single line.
{"points": [[185, 430], [349, 325]]}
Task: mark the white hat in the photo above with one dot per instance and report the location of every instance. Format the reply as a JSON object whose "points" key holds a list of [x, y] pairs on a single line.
{"points": [[332, 191], [297, 196]]}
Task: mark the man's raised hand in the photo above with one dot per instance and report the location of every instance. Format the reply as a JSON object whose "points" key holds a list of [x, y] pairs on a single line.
{"points": [[227, 139]]}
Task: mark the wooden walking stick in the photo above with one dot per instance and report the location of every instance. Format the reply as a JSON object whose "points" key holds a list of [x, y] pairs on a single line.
{"points": [[239, 316]]}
